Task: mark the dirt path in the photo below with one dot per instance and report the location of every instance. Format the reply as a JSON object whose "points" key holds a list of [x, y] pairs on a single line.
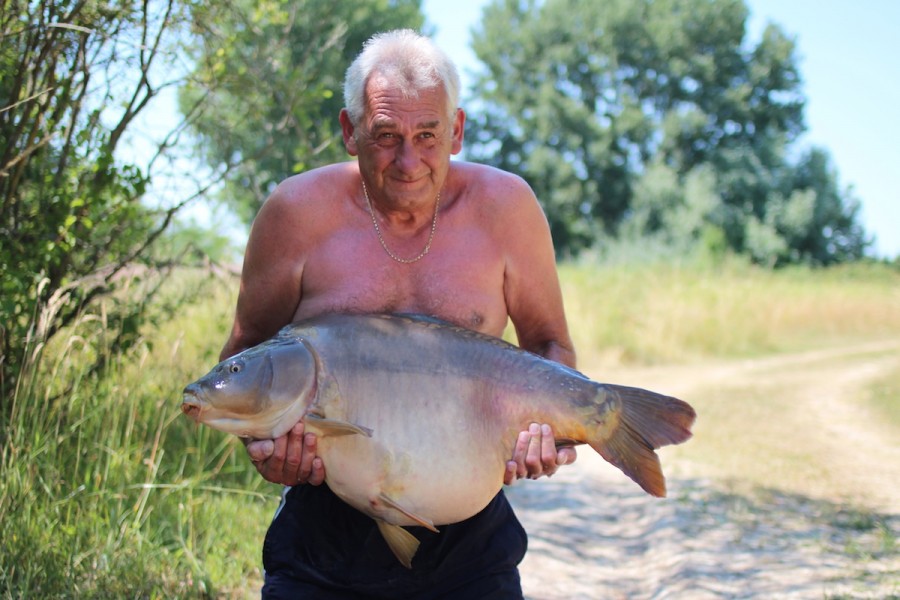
{"points": [[827, 530]]}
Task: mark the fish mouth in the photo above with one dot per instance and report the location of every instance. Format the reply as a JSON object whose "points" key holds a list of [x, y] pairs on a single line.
{"points": [[192, 405]]}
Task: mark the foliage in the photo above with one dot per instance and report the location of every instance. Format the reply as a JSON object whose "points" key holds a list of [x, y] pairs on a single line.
{"points": [[105, 491], [73, 78], [271, 76], [83, 431], [616, 111]]}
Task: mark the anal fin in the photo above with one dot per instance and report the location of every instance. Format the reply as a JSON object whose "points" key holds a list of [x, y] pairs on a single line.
{"points": [[401, 542], [423, 521], [335, 427]]}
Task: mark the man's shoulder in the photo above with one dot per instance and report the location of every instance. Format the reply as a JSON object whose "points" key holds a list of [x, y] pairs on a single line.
{"points": [[483, 174], [312, 188], [495, 190], [491, 183]]}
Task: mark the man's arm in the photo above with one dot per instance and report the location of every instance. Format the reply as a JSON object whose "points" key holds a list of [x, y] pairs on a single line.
{"points": [[270, 277], [269, 294], [535, 305]]}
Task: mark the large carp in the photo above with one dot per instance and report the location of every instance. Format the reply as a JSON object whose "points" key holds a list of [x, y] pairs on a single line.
{"points": [[417, 418]]}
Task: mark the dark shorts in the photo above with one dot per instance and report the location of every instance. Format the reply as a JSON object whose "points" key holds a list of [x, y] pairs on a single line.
{"points": [[319, 547]]}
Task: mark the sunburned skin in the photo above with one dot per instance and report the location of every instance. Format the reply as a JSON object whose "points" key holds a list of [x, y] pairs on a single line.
{"points": [[350, 272]]}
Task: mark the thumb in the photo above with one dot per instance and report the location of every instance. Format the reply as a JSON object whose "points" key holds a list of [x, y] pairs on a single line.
{"points": [[260, 449]]}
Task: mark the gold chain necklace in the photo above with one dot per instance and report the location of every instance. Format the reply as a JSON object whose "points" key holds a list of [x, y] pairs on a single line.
{"points": [[406, 261]]}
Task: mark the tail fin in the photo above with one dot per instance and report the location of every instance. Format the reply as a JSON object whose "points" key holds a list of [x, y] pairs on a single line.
{"points": [[646, 421]]}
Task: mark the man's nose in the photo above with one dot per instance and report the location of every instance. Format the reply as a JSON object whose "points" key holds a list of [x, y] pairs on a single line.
{"points": [[407, 157]]}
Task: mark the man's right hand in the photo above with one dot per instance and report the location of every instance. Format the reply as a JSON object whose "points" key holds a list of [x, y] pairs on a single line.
{"points": [[288, 460]]}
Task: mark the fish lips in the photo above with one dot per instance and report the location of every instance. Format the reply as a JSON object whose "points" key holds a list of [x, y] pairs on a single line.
{"points": [[191, 403]]}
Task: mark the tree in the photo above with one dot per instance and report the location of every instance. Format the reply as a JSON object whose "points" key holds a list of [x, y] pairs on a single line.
{"points": [[74, 75], [820, 221], [586, 100], [271, 74]]}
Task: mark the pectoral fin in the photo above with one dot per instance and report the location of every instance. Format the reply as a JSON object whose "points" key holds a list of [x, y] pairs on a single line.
{"points": [[423, 521], [401, 542], [334, 426], [328, 400]]}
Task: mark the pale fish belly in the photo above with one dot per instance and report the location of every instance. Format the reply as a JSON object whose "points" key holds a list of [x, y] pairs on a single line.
{"points": [[435, 453], [442, 489]]}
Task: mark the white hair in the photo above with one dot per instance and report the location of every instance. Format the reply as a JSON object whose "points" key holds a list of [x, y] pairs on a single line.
{"points": [[408, 60]]}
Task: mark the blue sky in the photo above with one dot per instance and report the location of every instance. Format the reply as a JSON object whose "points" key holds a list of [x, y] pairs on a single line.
{"points": [[847, 52]]}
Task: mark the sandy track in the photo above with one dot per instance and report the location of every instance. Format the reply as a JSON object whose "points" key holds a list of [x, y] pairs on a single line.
{"points": [[594, 534]]}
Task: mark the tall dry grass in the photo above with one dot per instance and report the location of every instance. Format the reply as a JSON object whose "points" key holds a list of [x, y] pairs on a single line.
{"points": [[662, 313]]}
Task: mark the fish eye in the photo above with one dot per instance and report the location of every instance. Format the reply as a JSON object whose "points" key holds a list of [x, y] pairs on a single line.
{"points": [[235, 367]]}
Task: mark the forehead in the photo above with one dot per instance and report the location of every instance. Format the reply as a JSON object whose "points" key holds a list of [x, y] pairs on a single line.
{"points": [[386, 104]]}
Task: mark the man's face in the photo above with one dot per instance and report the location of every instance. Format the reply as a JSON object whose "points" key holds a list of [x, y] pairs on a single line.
{"points": [[404, 144]]}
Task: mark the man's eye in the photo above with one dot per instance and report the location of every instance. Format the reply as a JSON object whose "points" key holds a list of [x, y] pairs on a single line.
{"points": [[387, 139]]}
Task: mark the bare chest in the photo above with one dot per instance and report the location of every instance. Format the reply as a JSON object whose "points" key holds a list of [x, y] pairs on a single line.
{"points": [[461, 279]]}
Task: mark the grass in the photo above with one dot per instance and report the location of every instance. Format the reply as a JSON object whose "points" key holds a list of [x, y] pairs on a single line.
{"points": [[663, 313], [105, 491]]}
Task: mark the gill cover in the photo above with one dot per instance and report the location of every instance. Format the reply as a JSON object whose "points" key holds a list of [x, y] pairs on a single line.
{"points": [[261, 392]]}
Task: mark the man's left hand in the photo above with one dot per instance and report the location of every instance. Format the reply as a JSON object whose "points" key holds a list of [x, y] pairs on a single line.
{"points": [[536, 454]]}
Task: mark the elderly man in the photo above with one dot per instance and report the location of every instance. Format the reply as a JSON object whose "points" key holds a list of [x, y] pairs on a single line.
{"points": [[401, 229]]}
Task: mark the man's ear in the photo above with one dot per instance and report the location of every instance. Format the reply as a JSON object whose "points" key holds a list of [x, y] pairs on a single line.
{"points": [[459, 131], [347, 130]]}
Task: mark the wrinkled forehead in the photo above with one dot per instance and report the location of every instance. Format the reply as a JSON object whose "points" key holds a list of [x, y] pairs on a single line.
{"points": [[382, 89], [387, 108]]}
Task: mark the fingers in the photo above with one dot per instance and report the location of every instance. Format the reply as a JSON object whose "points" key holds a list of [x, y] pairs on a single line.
{"points": [[311, 469], [260, 450], [515, 468], [511, 474], [548, 452], [317, 476], [534, 460], [535, 454], [566, 455], [288, 460]]}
